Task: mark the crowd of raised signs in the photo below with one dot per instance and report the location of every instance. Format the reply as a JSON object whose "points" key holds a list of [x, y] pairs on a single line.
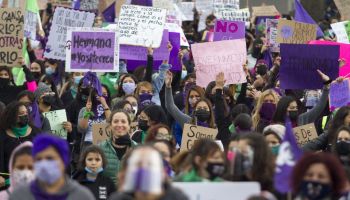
{"points": [[252, 106]]}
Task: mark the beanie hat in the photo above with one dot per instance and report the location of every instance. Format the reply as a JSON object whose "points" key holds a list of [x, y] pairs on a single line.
{"points": [[44, 141], [42, 89], [277, 129]]}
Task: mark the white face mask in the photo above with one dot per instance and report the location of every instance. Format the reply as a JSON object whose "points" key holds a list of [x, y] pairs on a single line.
{"points": [[21, 177]]}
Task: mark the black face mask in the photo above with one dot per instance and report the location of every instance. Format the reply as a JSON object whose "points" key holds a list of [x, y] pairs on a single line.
{"points": [[143, 124], [37, 75], [215, 170], [293, 115], [261, 70], [342, 148], [49, 100], [202, 115], [85, 91], [23, 121], [4, 81], [123, 140]]}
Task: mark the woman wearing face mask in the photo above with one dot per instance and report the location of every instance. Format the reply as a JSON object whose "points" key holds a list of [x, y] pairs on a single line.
{"points": [[15, 129], [149, 117], [274, 135], [288, 106], [92, 163], [341, 145], [133, 101], [318, 176], [144, 94], [127, 87], [159, 132], [21, 168], [127, 107], [167, 150], [187, 83], [117, 145], [54, 70], [70, 89], [207, 163], [56, 102], [38, 69], [51, 158]]}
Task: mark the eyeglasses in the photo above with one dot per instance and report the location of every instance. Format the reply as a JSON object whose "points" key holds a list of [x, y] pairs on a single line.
{"points": [[163, 136]]}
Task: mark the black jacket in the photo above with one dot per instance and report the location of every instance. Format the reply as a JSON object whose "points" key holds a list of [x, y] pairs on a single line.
{"points": [[102, 188]]}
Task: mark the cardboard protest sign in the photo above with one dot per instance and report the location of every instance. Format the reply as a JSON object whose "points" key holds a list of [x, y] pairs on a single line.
{"points": [[340, 31], [344, 54], [300, 62], [141, 26], [100, 133], [304, 134], [219, 190], [191, 133], [265, 11], [140, 53], [293, 32], [62, 19], [271, 35], [343, 7], [92, 49], [222, 56], [187, 11], [56, 119], [89, 5], [339, 94], [11, 35], [228, 30], [30, 22]]}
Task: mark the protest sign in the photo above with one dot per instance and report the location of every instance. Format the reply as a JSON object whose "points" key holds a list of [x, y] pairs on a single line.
{"points": [[56, 119], [234, 15], [219, 190], [265, 11], [141, 26], [174, 39], [300, 62], [340, 31], [166, 4], [187, 11], [339, 94], [92, 49], [62, 19], [226, 4], [42, 4], [222, 56], [89, 5], [100, 132], [205, 8], [30, 22], [271, 35], [344, 53], [293, 32], [343, 7], [228, 30], [140, 53], [304, 134], [191, 133], [347, 28], [177, 29], [11, 35]]}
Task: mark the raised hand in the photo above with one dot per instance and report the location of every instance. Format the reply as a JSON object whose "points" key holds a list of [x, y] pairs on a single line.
{"points": [[168, 79], [220, 80]]}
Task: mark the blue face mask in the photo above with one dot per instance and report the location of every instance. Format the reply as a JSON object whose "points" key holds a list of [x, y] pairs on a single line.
{"points": [[49, 71], [77, 79], [275, 150], [88, 170], [315, 190], [183, 74], [47, 171], [129, 88]]}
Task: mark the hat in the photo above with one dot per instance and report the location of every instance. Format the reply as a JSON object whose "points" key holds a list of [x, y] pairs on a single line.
{"points": [[42, 89], [277, 129], [44, 141]]}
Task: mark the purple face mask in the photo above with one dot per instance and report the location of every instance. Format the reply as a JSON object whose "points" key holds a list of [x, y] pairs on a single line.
{"points": [[267, 111]]}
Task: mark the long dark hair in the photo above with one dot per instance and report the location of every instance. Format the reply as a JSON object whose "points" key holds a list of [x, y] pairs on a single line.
{"points": [[337, 122], [121, 92], [156, 114], [211, 121], [9, 71], [281, 110], [9, 116]]}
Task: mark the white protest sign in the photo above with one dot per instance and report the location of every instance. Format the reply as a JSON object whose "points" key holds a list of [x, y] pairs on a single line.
{"points": [[56, 119], [30, 22], [177, 29], [340, 31], [204, 8], [234, 15], [62, 19], [89, 4], [271, 34], [166, 4], [219, 190], [187, 10], [141, 26]]}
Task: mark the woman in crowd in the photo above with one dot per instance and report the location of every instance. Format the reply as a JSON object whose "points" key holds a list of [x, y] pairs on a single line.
{"points": [[127, 87], [274, 135], [70, 89], [38, 69]]}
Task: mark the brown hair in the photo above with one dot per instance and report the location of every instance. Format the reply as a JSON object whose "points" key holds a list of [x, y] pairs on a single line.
{"points": [[196, 88], [92, 149], [142, 84]]}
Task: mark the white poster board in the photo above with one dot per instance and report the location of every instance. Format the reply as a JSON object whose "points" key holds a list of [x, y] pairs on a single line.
{"points": [[56, 119], [340, 31], [30, 22], [141, 26]]}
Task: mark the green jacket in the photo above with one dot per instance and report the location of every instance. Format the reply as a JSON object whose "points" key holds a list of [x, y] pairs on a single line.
{"points": [[192, 176]]}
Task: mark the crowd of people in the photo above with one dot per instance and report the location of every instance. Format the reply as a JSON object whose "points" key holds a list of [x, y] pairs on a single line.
{"points": [[142, 162]]}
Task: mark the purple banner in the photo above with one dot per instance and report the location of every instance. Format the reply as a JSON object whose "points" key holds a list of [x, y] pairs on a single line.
{"points": [[142, 2], [129, 52], [339, 94], [229, 30], [300, 62], [93, 50]]}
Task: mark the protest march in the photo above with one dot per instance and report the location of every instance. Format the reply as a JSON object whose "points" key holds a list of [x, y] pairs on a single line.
{"points": [[174, 100]]}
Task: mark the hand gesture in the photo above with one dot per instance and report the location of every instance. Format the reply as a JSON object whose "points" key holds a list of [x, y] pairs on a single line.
{"points": [[220, 80], [150, 51], [88, 105], [324, 77], [67, 126], [21, 61], [168, 79]]}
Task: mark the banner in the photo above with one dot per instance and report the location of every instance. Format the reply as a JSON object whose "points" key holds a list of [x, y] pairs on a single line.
{"points": [[299, 64], [89, 5], [30, 22], [191, 133], [228, 30], [177, 29], [11, 36], [339, 94], [100, 133], [343, 7], [304, 134], [292, 32], [62, 19], [212, 58], [141, 26], [271, 35], [56, 119], [234, 15], [265, 11], [187, 11], [340, 31]]}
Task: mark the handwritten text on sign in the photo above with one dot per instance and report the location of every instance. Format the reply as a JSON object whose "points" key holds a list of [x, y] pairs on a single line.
{"points": [[100, 133], [292, 32], [56, 119], [305, 134], [91, 49], [141, 26], [271, 32], [11, 35], [339, 94], [89, 5], [223, 56], [30, 21], [62, 19], [191, 133], [229, 30]]}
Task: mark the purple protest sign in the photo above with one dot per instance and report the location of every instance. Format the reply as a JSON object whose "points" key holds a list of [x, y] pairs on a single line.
{"points": [[300, 62], [229, 30], [339, 94], [129, 52]]}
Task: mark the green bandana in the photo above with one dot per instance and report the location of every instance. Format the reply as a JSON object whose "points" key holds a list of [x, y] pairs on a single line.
{"points": [[20, 132], [232, 128]]}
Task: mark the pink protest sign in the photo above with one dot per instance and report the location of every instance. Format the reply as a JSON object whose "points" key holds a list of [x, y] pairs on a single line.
{"points": [[226, 56], [229, 30]]}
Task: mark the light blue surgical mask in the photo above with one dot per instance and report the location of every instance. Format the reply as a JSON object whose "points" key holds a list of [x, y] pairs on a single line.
{"points": [[49, 71], [88, 170], [77, 79], [129, 88], [47, 171], [183, 74]]}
